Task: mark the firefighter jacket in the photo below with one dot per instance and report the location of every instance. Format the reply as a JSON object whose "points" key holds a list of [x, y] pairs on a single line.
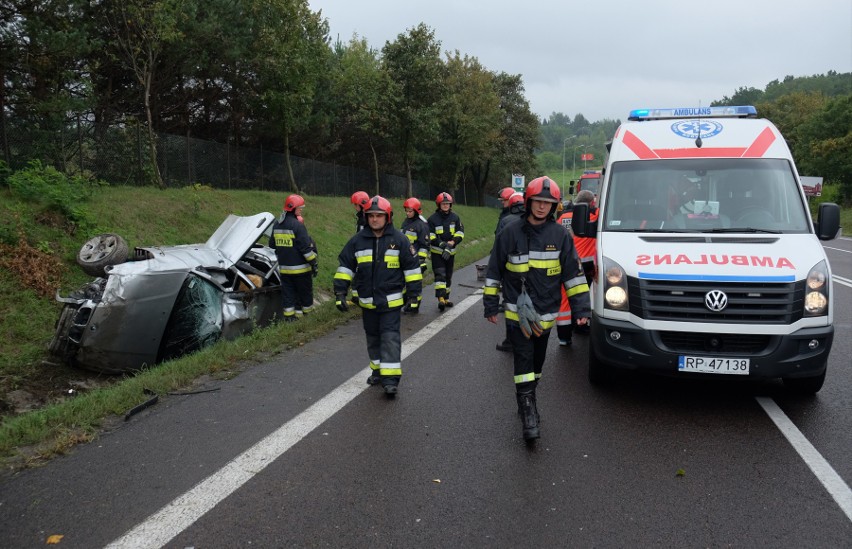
{"points": [[294, 248], [417, 231], [381, 269], [503, 214], [585, 245], [515, 212], [443, 227], [360, 221], [540, 258]]}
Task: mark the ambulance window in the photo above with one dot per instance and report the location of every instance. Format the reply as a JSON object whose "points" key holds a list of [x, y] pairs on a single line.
{"points": [[704, 195]]}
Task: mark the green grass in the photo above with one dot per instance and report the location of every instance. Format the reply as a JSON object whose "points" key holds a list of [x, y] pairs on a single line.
{"points": [[150, 217]]}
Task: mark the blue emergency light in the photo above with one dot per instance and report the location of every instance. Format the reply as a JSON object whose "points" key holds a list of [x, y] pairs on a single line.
{"points": [[743, 111]]}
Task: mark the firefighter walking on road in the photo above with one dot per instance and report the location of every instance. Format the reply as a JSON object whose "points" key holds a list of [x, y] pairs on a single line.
{"points": [[297, 258], [378, 264], [445, 234], [416, 229], [533, 258]]}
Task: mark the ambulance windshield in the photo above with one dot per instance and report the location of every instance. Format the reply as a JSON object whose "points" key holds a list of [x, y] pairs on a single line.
{"points": [[705, 195]]}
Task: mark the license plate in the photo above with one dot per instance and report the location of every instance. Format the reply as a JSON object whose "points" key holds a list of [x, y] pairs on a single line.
{"points": [[712, 365]]}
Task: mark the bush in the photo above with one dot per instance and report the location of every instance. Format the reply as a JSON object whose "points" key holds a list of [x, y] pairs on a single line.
{"points": [[54, 190]]}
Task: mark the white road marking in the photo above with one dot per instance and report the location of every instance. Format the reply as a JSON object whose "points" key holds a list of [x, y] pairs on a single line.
{"points": [[841, 280], [161, 527], [824, 472]]}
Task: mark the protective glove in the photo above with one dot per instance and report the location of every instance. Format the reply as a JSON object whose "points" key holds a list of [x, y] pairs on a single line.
{"points": [[423, 268], [340, 302], [314, 269], [447, 253], [442, 245]]}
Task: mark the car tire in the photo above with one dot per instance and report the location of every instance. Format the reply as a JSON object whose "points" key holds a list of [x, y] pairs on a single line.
{"points": [[600, 373], [804, 385], [102, 251]]}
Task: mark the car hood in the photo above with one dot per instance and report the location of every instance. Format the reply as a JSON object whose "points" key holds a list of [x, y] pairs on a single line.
{"points": [[236, 234]]}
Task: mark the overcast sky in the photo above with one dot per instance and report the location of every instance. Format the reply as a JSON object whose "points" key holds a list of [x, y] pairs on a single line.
{"points": [[603, 58]]}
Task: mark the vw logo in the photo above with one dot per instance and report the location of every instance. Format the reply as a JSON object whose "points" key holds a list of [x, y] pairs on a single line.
{"points": [[715, 300]]}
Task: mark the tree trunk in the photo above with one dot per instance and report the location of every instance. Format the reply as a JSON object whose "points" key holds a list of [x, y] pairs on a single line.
{"points": [[152, 140], [408, 174], [293, 186], [375, 166]]}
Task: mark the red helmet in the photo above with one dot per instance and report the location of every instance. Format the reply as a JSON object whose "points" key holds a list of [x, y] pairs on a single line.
{"points": [[379, 204], [414, 204], [443, 197], [293, 201], [515, 199], [545, 189], [506, 193], [360, 198]]}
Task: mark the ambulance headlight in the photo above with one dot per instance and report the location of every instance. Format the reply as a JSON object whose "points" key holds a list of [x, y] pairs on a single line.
{"points": [[615, 286], [816, 291]]}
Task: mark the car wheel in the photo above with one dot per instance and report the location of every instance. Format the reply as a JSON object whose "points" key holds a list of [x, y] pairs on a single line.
{"points": [[599, 372], [804, 385], [102, 251]]}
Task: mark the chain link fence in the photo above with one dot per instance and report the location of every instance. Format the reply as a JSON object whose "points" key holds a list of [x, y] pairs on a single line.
{"points": [[120, 155]]}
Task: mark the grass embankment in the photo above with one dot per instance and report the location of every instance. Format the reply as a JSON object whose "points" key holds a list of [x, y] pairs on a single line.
{"points": [[148, 217]]}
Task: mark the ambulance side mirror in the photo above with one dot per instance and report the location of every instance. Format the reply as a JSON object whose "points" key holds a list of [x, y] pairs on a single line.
{"points": [[827, 225], [580, 220]]}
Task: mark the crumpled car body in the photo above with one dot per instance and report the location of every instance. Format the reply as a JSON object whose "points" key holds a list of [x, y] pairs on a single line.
{"points": [[165, 302]]}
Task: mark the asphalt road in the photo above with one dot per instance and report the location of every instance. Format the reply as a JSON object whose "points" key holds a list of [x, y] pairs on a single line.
{"points": [[298, 451]]}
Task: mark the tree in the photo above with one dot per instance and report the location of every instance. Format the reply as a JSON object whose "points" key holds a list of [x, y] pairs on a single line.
{"points": [[291, 53], [361, 88], [413, 64], [825, 145], [143, 29], [470, 123]]}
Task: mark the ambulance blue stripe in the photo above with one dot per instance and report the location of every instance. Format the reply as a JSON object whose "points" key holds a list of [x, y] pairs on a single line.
{"points": [[717, 278]]}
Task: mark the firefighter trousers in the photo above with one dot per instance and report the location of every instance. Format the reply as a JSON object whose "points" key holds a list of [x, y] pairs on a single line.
{"points": [[384, 343], [297, 290], [529, 355], [443, 271]]}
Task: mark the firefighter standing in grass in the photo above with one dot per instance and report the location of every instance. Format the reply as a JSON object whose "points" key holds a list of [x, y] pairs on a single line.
{"points": [[359, 199], [297, 258], [377, 262], [504, 195], [533, 258], [586, 247], [445, 234], [414, 226]]}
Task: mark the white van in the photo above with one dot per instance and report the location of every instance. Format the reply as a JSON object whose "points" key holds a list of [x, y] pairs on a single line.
{"points": [[708, 260]]}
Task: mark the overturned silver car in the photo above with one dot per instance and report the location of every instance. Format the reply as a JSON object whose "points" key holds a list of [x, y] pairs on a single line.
{"points": [[163, 302]]}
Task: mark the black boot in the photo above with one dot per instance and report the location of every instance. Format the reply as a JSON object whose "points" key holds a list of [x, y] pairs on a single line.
{"points": [[529, 415], [506, 346], [374, 378]]}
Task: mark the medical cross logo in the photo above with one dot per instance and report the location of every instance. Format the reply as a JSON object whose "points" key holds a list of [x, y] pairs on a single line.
{"points": [[691, 129]]}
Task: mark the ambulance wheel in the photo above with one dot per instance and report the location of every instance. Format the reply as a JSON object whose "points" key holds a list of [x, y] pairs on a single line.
{"points": [[600, 373], [102, 251], [804, 385]]}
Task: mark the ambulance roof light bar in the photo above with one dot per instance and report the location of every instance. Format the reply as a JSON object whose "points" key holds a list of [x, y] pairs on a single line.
{"points": [[744, 111]]}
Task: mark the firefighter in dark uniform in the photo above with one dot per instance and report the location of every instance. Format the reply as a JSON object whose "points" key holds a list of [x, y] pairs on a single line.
{"points": [[445, 234], [359, 199], [378, 263], [504, 195], [533, 258], [297, 258], [516, 212], [414, 227]]}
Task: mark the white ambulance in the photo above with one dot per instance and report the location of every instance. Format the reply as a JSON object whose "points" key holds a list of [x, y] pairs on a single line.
{"points": [[708, 260]]}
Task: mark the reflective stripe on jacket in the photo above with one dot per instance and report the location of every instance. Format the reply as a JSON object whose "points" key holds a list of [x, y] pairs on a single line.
{"points": [[541, 257], [293, 246], [443, 227], [381, 269]]}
